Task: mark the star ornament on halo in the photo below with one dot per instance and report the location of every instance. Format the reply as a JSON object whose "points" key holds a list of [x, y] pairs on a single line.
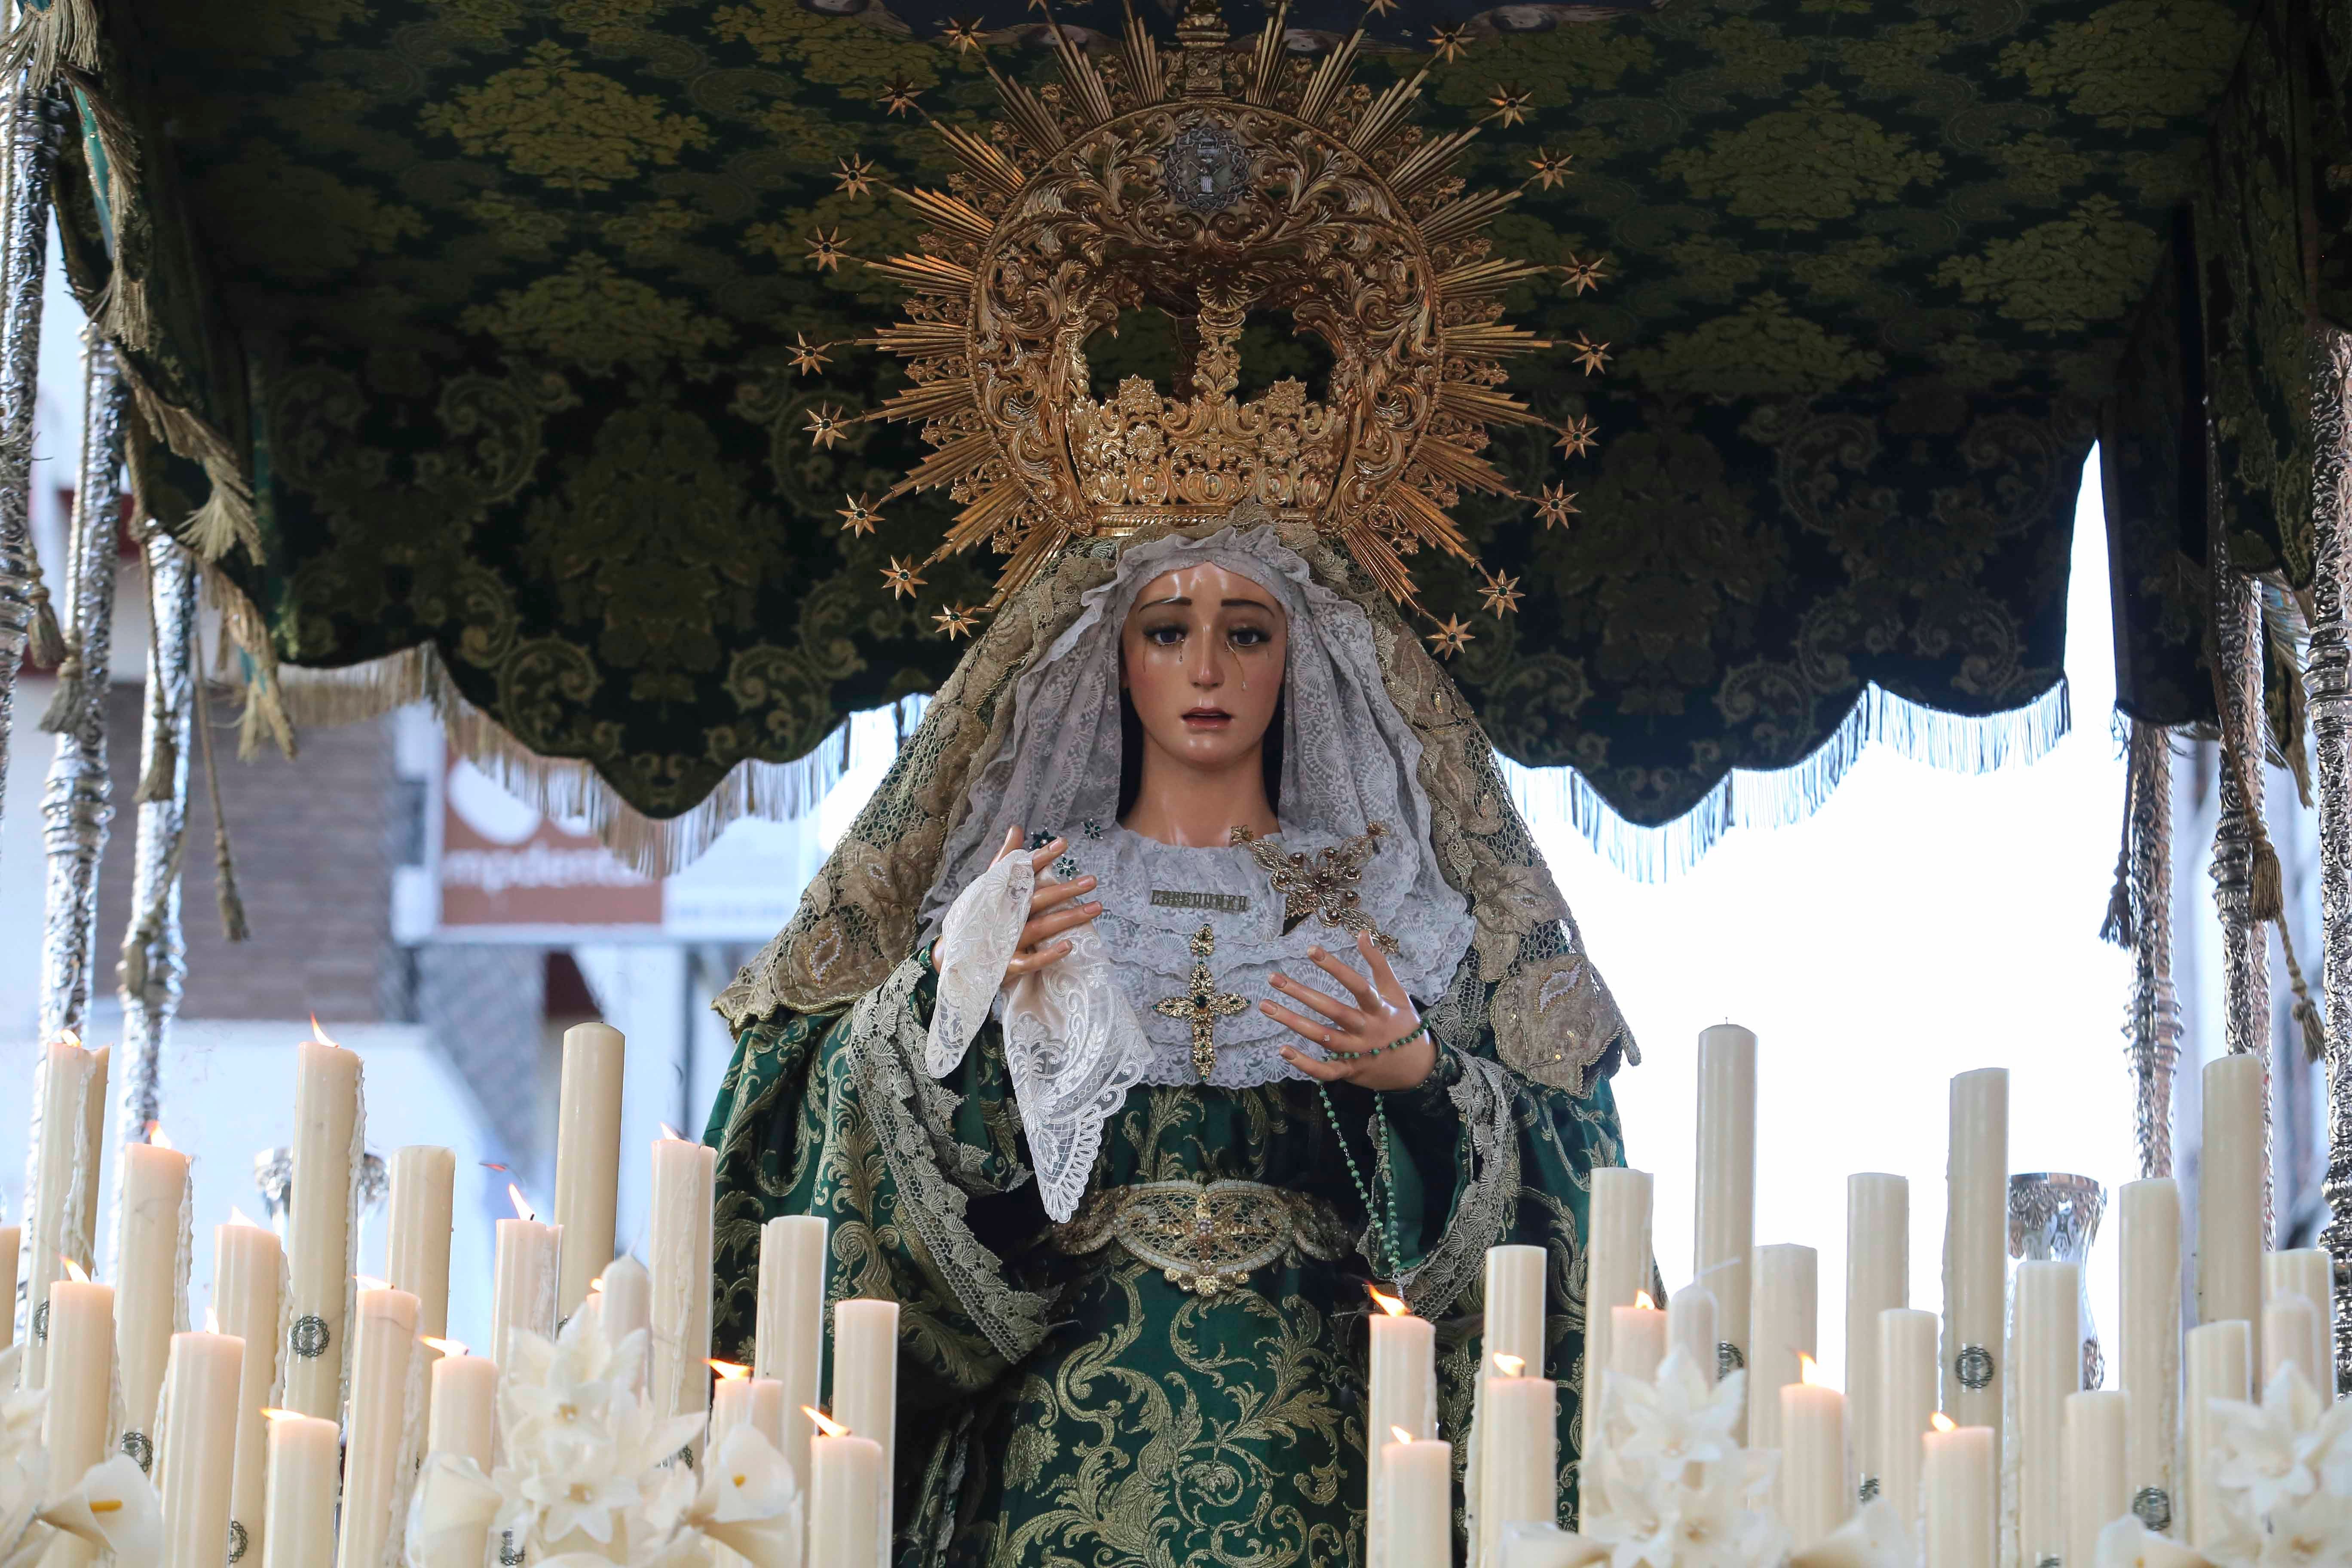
{"points": [[1379, 7], [856, 176], [1509, 105], [897, 95], [807, 357], [1556, 505], [859, 516], [1449, 638], [1447, 43], [825, 425], [1584, 272], [901, 578], [1577, 436], [1550, 168], [824, 250], [1591, 357], [963, 32], [955, 622], [1501, 593]]}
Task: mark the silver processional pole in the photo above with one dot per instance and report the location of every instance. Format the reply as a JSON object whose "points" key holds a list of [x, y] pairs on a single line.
{"points": [[154, 953], [2328, 676], [34, 131]]}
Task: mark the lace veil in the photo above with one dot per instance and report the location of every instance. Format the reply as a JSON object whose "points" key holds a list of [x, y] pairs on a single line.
{"points": [[976, 764]]}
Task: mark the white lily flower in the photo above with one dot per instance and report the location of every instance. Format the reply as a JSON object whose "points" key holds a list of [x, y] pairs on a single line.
{"points": [[1874, 1537], [1682, 1418], [2312, 1532], [115, 1508], [748, 1502], [2129, 1543]]}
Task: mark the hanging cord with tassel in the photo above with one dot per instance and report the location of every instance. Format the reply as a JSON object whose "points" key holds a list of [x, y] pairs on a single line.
{"points": [[164, 762], [232, 903], [2266, 901], [2121, 926]]}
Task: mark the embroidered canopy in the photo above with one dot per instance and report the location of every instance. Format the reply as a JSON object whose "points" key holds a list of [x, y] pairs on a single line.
{"points": [[497, 314]]}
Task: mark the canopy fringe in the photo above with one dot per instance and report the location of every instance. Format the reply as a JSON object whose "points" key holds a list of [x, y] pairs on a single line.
{"points": [[652, 846], [1779, 797]]}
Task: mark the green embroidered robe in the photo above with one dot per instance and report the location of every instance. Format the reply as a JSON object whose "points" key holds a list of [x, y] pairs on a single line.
{"points": [[1060, 1407]]}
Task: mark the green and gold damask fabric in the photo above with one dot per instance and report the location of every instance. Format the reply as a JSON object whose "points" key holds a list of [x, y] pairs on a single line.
{"points": [[1061, 1400], [501, 299]]}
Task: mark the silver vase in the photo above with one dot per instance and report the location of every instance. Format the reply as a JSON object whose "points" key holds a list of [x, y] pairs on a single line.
{"points": [[2054, 1218]]}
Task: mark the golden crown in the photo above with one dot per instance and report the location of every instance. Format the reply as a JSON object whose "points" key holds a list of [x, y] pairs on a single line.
{"points": [[1208, 182]]}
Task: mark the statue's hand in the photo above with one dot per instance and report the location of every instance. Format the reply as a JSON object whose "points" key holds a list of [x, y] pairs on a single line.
{"points": [[1383, 1015], [1051, 911]]}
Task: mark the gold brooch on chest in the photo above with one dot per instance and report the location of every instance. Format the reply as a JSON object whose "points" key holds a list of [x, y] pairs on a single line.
{"points": [[1323, 885]]}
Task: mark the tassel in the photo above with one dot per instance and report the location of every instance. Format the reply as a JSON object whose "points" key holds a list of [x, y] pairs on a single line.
{"points": [[232, 902], [155, 783], [2306, 1011], [2267, 899], [65, 707], [47, 649], [2120, 928]]}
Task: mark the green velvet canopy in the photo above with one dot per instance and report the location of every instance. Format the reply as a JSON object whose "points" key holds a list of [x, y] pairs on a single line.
{"points": [[492, 304]]}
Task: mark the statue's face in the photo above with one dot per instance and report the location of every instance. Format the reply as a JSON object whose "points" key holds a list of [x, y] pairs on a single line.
{"points": [[1202, 656]]}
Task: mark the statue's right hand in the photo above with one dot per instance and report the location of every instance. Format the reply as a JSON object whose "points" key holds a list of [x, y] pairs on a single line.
{"points": [[1050, 910]]}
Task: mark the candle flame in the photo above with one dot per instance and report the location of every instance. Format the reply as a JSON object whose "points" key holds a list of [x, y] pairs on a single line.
{"points": [[446, 1347], [81, 1275], [1642, 1300], [284, 1415], [824, 1424], [672, 1134], [369, 1283], [1510, 1365], [523, 1209], [1393, 1305], [212, 1319], [320, 1036], [72, 1037], [1401, 1434], [155, 1136], [596, 1285], [730, 1372], [236, 1216], [1809, 1371], [1942, 1422]]}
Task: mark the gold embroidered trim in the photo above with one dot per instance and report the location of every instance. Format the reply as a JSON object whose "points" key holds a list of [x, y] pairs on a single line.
{"points": [[1205, 1238]]}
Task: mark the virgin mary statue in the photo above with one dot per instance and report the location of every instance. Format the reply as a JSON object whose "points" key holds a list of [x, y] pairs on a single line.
{"points": [[1192, 972]]}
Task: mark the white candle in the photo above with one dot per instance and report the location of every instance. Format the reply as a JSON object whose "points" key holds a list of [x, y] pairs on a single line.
{"points": [[848, 1498], [12, 1238], [2307, 1272], [738, 1400], [151, 1273], [1403, 1381], [2148, 1358], [866, 1378], [1976, 1246], [1725, 1208], [1783, 1315], [320, 1225], [1877, 1275], [1814, 1495], [789, 1342], [1690, 1327], [1617, 1267], [2231, 1238], [1907, 1405], [1519, 1481], [587, 1155], [1419, 1504], [94, 1149], [464, 1405], [680, 1232], [522, 1283], [2046, 1361], [373, 1457], [416, 1246], [300, 1531], [247, 1260], [1963, 1497], [2290, 1328], [1637, 1341], [75, 1426], [1516, 1304], [62, 1172], [2096, 1493], [626, 1305], [2221, 1366], [195, 1453]]}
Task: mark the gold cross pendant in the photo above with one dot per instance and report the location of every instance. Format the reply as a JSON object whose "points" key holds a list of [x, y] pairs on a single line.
{"points": [[1325, 886], [1201, 1004]]}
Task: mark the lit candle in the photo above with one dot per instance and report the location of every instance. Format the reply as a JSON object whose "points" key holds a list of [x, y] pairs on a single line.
{"points": [[1617, 1266], [2046, 1361], [679, 1230], [2290, 1329], [1403, 1393], [301, 1530], [150, 1264], [1692, 1321], [2221, 1366], [2096, 1493], [1815, 1494], [1783, 1315], [865, 1377], [1963, 1496], [1515, 1303], [1907, 1405], [1976, 1246], [789, 1341], [1418, 1477], [739, 1399], [522, 1283], [465, 1404], [63, 1171], [2306, 1271], [195, 1453], [2231, 1238], [847, 1498], [587, 1155], [75, 1426], [2148, 1358], [1637, 1340], [626, 1305], [247, 1260], [373, 1456], [1518, 1482], [1877, 1275], [11, 1238], [1726, 1208], [320, 1224], [417, 1248]]}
